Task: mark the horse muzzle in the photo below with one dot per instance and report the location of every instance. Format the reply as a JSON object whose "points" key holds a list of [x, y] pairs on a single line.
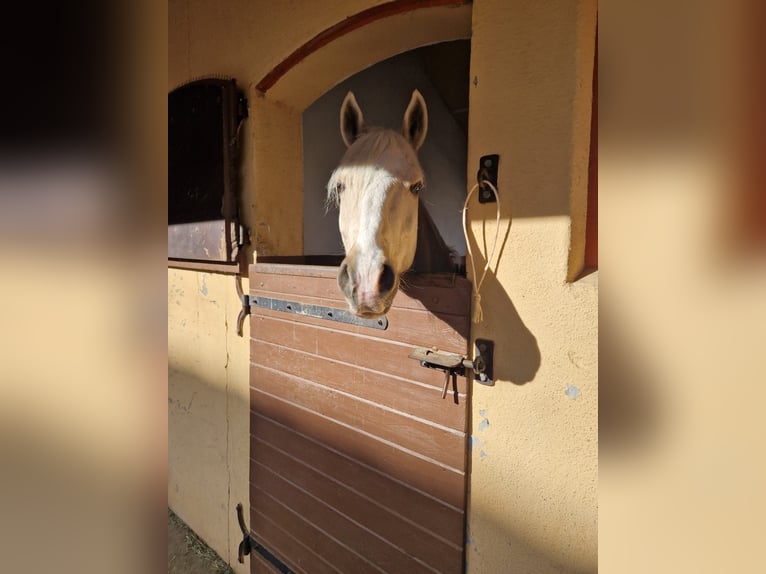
{"points": [[368, 294]]}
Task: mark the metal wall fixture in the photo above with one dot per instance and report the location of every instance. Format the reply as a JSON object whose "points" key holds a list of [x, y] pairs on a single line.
{"points": [[487, 172]]}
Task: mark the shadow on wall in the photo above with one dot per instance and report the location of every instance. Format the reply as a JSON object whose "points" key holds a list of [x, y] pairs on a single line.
{"points": [[517, 355]]}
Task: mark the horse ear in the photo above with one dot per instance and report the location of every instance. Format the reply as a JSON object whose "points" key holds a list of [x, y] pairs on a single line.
{"points": [[351, 119], [415, 123]]}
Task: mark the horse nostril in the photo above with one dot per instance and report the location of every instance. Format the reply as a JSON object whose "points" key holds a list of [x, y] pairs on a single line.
{"points": [[343, 276], [387, 279]]}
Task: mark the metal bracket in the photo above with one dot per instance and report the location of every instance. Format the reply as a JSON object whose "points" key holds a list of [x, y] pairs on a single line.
{"points": [[487, 171], [245, 311], [297, 308], [484, 351], [244, 547], [317, 312], [248, 545]]}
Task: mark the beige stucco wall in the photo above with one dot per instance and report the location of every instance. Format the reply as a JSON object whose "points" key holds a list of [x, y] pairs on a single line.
{"points": [[533, 499], [208, 408], [532, 503]]}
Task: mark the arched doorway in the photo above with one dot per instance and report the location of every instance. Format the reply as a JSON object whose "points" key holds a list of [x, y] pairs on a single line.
{"points": [[440, 72], [275, 158]]}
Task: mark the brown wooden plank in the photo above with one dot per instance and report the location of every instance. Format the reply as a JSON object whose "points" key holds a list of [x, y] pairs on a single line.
{"points": [[364, 542], [259, 565], [402, 534], [443, 521], [402, 395], [273, 269], [438, 293], [412, 326], [437, 481], [444, 446], [383, 356], [342, 28], [378, 551], [308, 260], [289, 520], [289, 549]]}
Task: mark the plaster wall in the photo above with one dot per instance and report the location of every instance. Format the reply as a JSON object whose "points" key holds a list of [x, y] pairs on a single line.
{"points": [[208, 408], [534, 457], [532, 501]]}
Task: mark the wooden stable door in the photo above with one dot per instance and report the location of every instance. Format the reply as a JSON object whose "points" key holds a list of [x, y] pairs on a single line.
{"points": [[357, 463]]}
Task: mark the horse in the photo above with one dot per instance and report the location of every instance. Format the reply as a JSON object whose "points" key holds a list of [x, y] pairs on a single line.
{"points": [[376, 187]]}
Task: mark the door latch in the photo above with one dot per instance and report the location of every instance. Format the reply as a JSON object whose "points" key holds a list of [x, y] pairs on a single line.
{"points": [[451, 364]]}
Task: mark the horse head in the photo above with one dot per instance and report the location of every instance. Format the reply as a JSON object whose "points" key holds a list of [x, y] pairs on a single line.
{"points": [[376, 188]]}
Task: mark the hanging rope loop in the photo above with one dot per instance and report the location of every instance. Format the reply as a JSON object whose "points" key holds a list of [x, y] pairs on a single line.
{"points": [[478, 314]]}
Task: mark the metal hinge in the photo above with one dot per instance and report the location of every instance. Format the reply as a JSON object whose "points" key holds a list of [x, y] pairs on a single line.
{"points": [[249, 544], [245, 310], [303, 309]]}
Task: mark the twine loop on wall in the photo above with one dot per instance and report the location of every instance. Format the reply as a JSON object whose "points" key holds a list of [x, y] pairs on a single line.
{"points": [[478, 314]]}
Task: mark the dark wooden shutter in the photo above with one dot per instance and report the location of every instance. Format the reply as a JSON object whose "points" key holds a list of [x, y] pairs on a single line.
{"points": [[203, 219]]}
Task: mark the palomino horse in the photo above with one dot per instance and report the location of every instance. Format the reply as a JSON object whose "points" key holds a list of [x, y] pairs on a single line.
{"points": [[376, 187]]}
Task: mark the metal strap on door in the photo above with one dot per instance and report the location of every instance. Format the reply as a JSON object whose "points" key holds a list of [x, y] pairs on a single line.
{"points": [[317, 311], [303, 309]]}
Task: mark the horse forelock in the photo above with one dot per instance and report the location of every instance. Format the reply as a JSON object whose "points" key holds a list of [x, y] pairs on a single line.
{"points": [[376, 156]]}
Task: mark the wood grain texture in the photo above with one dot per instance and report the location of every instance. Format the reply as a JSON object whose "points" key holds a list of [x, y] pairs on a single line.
{"points": [[409, 467], [377, 550], [289, 519], [436, 517], [443, 446], [259, 565], [403, 535], [412, 397], [357, 463], [386, 356], [436, 293]]}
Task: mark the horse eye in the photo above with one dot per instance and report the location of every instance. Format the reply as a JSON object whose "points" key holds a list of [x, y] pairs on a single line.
{"points": [[339, 187], [416, 187]]}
